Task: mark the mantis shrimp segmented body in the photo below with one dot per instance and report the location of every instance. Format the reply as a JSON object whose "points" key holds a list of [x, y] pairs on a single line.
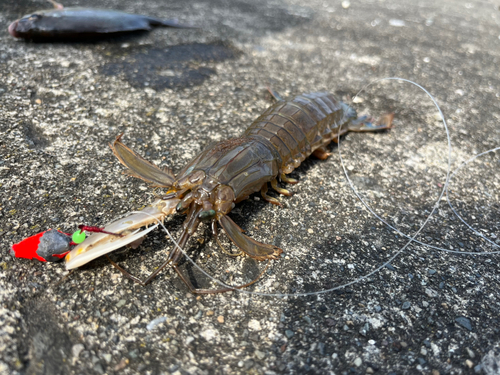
{"points": [[227, 172]]}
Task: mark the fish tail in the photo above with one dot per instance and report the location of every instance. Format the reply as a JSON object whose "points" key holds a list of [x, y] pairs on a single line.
{"points": [[169, 23]]}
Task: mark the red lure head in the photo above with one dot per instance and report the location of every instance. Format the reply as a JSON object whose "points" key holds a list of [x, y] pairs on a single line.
{"points": [[51, 245]]}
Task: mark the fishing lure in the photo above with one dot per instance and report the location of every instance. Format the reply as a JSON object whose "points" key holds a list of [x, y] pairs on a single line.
{"points": [[52, 245]]}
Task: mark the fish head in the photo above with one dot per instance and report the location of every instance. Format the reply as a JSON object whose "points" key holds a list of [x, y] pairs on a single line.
{"points": [[24, 26], [12, 29]]}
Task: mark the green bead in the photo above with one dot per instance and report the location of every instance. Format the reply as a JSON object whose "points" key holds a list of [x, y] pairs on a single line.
{"points": [[78, 236]]}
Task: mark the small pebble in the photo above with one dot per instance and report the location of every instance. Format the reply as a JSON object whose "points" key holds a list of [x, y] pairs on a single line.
{"points": [[98, 368], [260, 355], [406, 305], [77, 349], [210, 313], [464, 322], [321, 348], [388, 266], [469, 363], [397, 23], [358, 362], [254, 325], [289, 333], [209, 334], [346, 4], [152, 324], [220, 319], [120, 366], [437, 116], [470, 352]]}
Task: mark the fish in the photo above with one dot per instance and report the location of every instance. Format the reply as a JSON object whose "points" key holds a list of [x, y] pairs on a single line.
{"points": [[84, 24]]}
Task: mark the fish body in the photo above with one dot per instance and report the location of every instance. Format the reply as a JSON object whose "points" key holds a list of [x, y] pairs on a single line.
{"points": [[83, 23]]}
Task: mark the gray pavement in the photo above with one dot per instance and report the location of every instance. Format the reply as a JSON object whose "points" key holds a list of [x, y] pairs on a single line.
{"points": [[172, 92]]}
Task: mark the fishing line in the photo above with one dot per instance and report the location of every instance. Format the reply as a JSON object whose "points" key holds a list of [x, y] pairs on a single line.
{"points": [[445, 187], [374, 271], [411, 239], [460, 217], [437, 248]]}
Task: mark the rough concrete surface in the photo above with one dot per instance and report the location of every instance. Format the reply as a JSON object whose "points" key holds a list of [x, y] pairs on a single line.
{"points": [[172, 92]]}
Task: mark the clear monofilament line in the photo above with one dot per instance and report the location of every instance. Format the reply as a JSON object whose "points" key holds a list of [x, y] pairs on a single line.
{"points": [[357, 280], [411, 239], [443, 192]]}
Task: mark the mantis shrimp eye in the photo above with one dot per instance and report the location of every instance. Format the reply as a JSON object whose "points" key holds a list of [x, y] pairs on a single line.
{"points": [[206, 215], [179, 207]]}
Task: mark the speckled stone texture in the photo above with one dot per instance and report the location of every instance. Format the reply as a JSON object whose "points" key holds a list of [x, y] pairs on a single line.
{"points": [[172, 92]]}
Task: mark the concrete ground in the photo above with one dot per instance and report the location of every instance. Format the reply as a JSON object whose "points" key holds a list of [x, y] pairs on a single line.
{"points": [[172, 92]]}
